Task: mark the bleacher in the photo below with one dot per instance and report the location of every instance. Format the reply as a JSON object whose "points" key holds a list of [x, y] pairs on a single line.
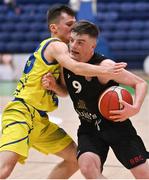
{"points": [[125, 26], [22, 33]]}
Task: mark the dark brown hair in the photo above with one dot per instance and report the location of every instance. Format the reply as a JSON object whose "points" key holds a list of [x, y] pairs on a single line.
{"points": [[86, 27]]}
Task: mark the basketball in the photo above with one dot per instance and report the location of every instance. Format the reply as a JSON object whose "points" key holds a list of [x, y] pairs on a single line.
{"points": [[109, 100]]}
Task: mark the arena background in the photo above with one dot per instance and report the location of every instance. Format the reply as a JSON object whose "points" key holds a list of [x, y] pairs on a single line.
{"points": [[124, 37]]}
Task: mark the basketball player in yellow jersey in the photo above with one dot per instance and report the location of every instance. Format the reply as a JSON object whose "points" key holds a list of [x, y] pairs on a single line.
{"points": [[24, 121]]}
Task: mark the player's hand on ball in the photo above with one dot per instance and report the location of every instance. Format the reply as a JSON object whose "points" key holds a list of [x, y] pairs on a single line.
{"points": [[126, 111], [115, 103]]}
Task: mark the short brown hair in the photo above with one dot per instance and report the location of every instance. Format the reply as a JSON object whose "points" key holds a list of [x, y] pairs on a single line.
{"points": [[86, 27], [55, 11]]}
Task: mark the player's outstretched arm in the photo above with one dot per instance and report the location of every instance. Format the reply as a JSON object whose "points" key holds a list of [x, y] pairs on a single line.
{"points": [[140, 87], [59, 51]]}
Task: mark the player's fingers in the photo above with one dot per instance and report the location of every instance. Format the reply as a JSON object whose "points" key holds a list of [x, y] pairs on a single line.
{"points": [[115, 112], [118, 71], [45, 84], [123, 104], [114, 117], [120, 65], [119, 68], [44, 76], [119, 120], [45, 81], [48, 75]]}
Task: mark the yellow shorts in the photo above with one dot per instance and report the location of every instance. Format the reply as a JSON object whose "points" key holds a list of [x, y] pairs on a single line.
{"points": [[24, 127]]}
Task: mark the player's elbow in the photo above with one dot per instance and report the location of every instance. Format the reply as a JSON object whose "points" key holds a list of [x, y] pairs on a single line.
{"points": [[145, 85], [142, 83], [64, 94]]}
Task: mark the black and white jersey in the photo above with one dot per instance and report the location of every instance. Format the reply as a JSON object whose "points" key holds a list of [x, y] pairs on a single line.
{"points": [[85, 91]]}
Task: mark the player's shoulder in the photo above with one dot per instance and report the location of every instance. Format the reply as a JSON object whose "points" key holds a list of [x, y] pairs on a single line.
{"points": [[99, 56], [107, 62], [102, 59], [55, 44]]}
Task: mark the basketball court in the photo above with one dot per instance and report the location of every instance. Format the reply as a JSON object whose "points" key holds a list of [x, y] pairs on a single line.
{"points": [[39, 165]]}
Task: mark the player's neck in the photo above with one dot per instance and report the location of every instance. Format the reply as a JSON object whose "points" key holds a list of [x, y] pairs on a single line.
{"points": [[87, 58], [55, 36]]}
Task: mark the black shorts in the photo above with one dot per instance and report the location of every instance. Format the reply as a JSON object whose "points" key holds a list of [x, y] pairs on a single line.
{"points": [[121, 137]]}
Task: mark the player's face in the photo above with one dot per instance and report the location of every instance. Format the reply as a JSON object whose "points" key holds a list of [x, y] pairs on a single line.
{"points": [[81, 47], [64, 27]]}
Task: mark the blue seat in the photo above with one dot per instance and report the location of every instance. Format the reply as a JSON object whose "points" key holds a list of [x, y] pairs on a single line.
{"points": [[137, 25], [5, 37], [120, 35], [8, 27], [40, 18], [107, 25], [145, 34], [107, 16], [42, 9], [135, 35], [32, 36], [100, 17], [3, 18], [122, 25], [13, 47], [127, 6], [132, 45], [141, 6], [38, 2], [146, 25], [2, 47], [13, 18], [107, 35], [24, 2], [113, 6], [28, 47], [27, 18], [44, 35], [18, 37], [3, 9], [29, 9], [101, 7], [37, 27], [117, 45], [55, 1], [144, 45], [22, 27]]}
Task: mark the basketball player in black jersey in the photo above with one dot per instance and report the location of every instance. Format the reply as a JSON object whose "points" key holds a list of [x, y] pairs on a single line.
{"points": [[96, 134]]}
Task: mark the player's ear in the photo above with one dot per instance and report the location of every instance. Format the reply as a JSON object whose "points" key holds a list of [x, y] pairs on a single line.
{"points": [[53, 28], [94, 46], [94, 43]]}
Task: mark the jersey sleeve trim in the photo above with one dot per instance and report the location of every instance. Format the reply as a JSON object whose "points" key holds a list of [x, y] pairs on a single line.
{"points": [[44, 47]]}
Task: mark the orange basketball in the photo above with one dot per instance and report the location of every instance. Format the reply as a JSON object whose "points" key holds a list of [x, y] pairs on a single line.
{"points": [[109, 100]]}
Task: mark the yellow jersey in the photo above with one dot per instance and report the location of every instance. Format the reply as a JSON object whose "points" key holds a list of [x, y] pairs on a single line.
{"points": [[29, 87]]}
